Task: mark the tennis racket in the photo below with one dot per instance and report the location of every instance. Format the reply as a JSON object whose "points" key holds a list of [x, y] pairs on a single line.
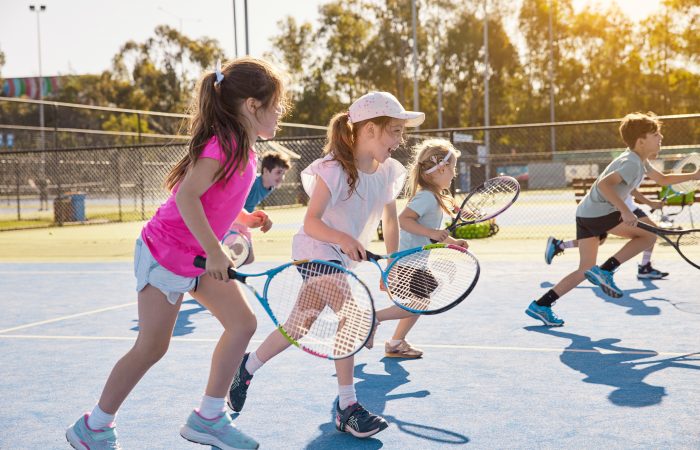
{"points": [[690, 163], [318, 306], [686, 242], [238, 247], [430, 279], [486, 201]]}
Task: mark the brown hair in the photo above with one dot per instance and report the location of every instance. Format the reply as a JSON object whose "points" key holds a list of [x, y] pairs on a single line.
{"points": [[636, 125], [428, 154], [341, 139], [272, 159], [216, 111]]}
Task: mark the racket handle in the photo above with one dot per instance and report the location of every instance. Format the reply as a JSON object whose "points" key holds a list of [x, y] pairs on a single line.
{"points": [[372, 256], [201, 262]]}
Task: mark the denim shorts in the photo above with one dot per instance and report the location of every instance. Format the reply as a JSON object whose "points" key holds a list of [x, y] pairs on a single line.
{"points": [[148, 271]]}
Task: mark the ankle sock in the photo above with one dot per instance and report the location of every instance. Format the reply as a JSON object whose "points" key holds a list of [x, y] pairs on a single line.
{"points": [[548, 298], [211, 407], [99, 419], [611, 264], [253, 363], [346, 396]]}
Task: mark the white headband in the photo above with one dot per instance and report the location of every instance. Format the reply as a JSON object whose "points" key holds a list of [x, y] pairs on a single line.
{"points": [[441, 163]]}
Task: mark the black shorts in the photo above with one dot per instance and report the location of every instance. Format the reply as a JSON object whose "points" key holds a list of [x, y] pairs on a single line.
{"points": [[310, 269], [639, 213], [597, 226]]}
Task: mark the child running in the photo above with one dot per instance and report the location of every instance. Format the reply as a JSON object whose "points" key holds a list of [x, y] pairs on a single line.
{"points": [[209, 185], [350, 189], [274, 167], [645, 271], [421, 221], [603, 210]]}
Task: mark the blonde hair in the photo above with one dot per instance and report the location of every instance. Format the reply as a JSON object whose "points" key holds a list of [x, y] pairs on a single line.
{"points": [[341, 139], [428, 154]]}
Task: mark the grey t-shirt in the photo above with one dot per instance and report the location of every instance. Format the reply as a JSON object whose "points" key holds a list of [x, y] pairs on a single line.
{"points": [[631, 168], [430, 215]]}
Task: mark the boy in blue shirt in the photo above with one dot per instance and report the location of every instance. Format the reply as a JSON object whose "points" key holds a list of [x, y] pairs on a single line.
{"points": [[274, 167]]}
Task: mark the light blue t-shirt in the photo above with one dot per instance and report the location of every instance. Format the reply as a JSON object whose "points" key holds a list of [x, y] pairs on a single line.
{"points": [[257, 194], [430, 215], [630, 168]]}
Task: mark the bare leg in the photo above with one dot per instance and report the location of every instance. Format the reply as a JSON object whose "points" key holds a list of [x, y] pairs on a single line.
{"points": [[403, 327], [639, 240], [588, 251], [227, 303], [156, 322]]}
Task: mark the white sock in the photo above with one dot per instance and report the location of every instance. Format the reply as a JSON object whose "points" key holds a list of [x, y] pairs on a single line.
{"points": [[99, 419], [646, 257], [253, 363], [211, 407], [395, 342], [567, 244], [346, 395]]}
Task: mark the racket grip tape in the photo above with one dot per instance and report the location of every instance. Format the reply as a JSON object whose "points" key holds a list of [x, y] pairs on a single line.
{"points": [[201, 262]]}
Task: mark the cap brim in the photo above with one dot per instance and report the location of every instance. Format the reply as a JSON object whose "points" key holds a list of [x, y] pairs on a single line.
{"points": [[412, 118]]}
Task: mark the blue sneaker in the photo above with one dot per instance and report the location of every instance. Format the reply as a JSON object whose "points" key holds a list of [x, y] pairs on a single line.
{"points": [[219, 432], [545, 314], [239, 387], [604, 279], [357, 421], [552, 249], [81, 436]]}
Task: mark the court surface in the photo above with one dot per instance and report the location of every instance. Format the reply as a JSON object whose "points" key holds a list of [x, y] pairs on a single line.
{"points": [[622, 373]]}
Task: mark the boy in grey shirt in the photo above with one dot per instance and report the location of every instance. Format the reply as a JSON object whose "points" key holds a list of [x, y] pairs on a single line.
{"points": [[603, 210]]}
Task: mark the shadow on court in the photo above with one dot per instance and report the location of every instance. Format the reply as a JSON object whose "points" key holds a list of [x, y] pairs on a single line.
{"points": [[603, 362], [374, 392]]}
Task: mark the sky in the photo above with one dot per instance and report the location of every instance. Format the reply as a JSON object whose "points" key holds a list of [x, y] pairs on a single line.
{"points": [[82, 36]]}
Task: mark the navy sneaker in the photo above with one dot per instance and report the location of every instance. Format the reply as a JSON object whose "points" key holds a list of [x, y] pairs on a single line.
{"points": [[357, 421], [646, 272], [545, 314], [552, 249], [239, 388], [604, 279]]}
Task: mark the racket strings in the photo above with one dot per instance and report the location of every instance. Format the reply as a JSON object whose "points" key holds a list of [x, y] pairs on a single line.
{"points": [[237, 246], [431, 279], [689, 246], [326, 310], [489, 200]]}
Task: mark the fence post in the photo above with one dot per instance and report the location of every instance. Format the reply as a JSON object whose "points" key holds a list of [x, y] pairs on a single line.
{"points": [[117, 168], [19, 215], [141, 182], [55, 126]]}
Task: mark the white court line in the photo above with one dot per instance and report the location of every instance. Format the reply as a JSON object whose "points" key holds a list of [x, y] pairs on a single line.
{"points": [[58, 319], [456, 347]]}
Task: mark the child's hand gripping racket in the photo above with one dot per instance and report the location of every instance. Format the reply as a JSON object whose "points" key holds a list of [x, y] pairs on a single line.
{"points": [[486, 201], [320, 307], [430, 279], [686, 242]]}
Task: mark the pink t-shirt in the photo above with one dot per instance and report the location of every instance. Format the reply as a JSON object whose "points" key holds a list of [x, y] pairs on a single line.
{"points": [[170, 241]]}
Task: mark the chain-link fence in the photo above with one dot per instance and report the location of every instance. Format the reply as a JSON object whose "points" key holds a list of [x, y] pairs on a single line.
{"points": [[124, 183]]}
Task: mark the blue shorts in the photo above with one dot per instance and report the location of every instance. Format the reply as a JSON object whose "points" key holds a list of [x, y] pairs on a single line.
{"points": [[149, 271]]}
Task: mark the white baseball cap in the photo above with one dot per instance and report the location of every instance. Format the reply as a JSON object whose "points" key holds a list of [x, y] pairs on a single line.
{"points": [[377, 104]]}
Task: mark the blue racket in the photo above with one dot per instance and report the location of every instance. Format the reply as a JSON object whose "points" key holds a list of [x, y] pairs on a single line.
{"points": [[320, 307], [430, 279]]}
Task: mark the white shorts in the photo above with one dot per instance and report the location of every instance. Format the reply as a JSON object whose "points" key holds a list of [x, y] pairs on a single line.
{"points": [[148, 271]]}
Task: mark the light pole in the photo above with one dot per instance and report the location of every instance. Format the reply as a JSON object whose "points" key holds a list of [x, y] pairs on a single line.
{"points": [[38, 9], [552, 131], [487, 75], [416, 102]]}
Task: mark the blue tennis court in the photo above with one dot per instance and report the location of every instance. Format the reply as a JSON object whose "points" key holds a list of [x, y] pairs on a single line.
{"points": [[622, 373]]}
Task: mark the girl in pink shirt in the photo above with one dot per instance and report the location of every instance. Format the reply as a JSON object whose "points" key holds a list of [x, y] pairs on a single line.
{"points": [[209, 186]]}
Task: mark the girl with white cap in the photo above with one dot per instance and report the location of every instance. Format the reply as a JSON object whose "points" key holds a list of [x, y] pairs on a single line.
{"points": [[351, 188]]}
